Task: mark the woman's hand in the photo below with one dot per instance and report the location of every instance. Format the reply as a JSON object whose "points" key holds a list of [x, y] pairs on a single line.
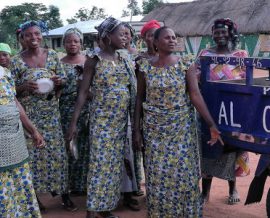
{"points": [[215, 136], [30, 86], [38, 139], [56, 80], [137, 140], [71, 133]]}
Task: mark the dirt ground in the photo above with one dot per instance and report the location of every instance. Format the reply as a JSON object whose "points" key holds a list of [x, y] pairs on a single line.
{"points": [[217, 207]]}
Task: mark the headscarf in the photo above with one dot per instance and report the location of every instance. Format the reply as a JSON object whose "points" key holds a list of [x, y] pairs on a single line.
{"points": [[224, 23], [75, 31], [107, 26], [5, 48], [232, 29], [132, 30], [149, 25], [40, 24]]}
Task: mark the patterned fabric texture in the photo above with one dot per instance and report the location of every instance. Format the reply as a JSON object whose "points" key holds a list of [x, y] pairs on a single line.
{"points": [[171, 152], [13, 150], [17, 195], [77, 168], [225, 72], [112, 94], [49, 165], [224, 167], [7, 87]]}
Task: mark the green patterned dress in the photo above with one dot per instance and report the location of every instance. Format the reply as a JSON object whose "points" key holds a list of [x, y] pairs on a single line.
{"points": [[77, 168], [113, 89], [49, 165], [17, 195], [171, 152]]}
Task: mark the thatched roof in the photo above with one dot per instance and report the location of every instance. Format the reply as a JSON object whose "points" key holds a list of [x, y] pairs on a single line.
{"points": [[196, 18]]}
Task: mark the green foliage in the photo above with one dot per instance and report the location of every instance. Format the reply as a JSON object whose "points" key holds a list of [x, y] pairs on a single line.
{"points": [[133, 6], [149, 5], [85, 14], [12, 16], [125, 13]]}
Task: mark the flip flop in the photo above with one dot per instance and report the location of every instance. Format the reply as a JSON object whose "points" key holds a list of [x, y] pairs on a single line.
{"points": [[233, 198]]}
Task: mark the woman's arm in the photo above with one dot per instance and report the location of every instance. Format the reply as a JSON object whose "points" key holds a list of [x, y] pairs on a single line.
{"points": [[141, 92], [28, 125], [88, 74], [198, 101]]}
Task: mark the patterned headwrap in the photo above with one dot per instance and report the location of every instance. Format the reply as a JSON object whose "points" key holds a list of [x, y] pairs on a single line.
{"points": [[40, 24], [149, 25], [224, 23], [132, 30], [107, 26], [75, 31], [5, 48]]}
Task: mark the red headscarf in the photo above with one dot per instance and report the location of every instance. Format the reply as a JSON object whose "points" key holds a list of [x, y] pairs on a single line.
{"points": [[149, 25]]}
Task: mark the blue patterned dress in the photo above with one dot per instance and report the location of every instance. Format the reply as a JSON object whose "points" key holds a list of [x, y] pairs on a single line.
{"points": [[49, 165], [171, 151], [77, 168], [17, 195], [113, 92]]}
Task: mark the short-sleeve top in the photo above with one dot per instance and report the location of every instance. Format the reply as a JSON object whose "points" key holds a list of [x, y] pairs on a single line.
{"points": [[166, 86], [7, 87], [225, 72], [22, 72]]}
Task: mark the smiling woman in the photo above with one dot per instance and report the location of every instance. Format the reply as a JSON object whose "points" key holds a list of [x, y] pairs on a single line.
{"points": [[50, 166]]}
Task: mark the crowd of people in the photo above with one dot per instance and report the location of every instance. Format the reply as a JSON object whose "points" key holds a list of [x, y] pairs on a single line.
{"points": [[93, 122]]}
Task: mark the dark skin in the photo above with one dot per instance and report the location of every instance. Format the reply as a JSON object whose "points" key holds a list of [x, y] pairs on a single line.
{"points": [[35, 57], [129, 40], [166, 43], [4, 59], [221, 37], [149, 38], [112, 42], [73, 46]]}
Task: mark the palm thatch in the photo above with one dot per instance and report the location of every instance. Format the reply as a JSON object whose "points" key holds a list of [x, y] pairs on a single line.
{"points": [[196, 18]]}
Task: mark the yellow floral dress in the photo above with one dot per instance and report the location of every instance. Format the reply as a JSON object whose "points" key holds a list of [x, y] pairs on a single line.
{"points": [[171, 152], [113, 90], [17, 195], [49, 165], [77, 168]]}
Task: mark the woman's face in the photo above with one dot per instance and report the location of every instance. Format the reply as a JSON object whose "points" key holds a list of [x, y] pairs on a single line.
{"points": [[72, 43], [149, 37], [166, 40], [221, 36], [4, 59], [118, 37], [128, 35], [32, 37]]}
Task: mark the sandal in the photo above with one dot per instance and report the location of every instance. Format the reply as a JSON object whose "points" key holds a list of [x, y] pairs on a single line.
{"points": [[233, 198], [68, 204]]}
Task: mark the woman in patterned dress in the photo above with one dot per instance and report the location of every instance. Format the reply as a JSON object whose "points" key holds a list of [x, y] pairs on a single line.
{"points": [[17, 195], [49, 165], [73, 64], [113, 87], [166, 87], [225, 35]]}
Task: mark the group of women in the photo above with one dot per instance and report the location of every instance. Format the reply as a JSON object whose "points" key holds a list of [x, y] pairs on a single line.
{"points": [[97, 101]]}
